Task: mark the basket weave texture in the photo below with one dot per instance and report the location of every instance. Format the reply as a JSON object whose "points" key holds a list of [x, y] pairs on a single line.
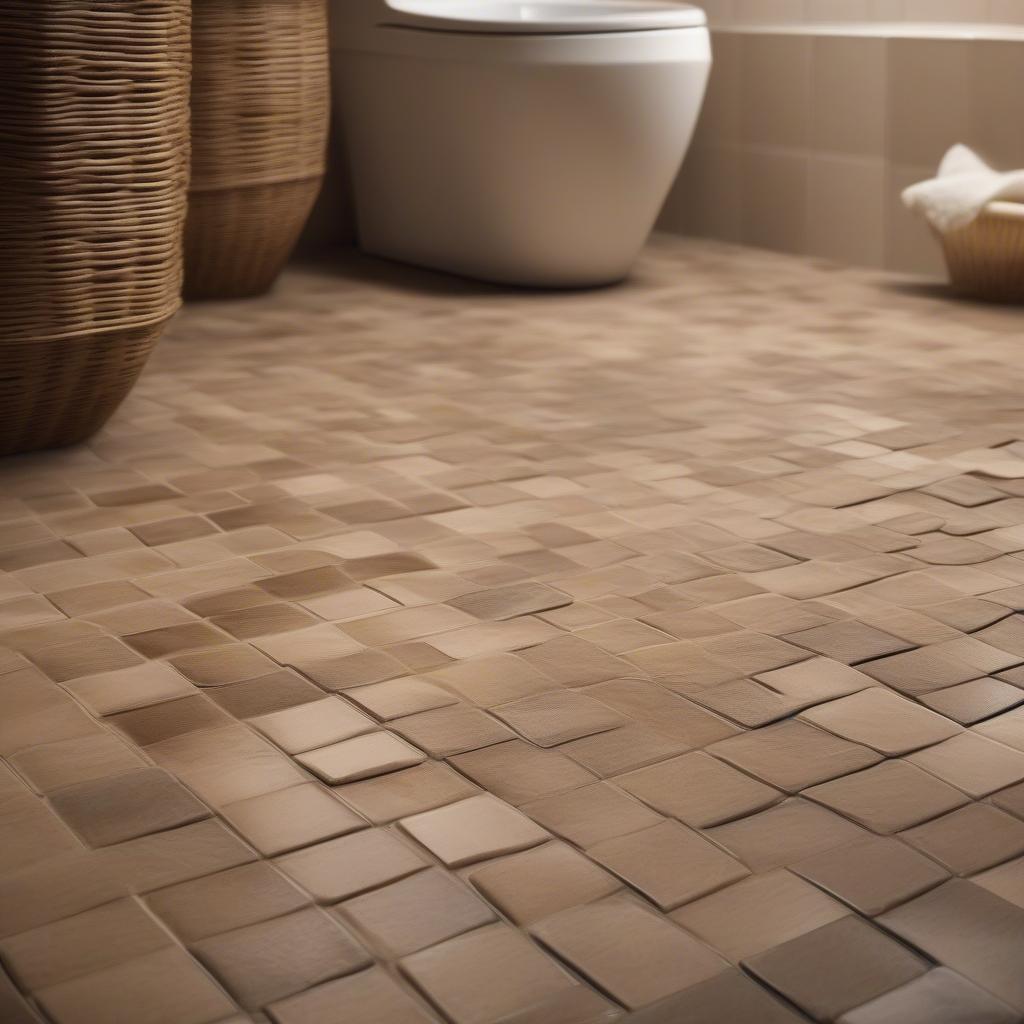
{"points": [[260, 106], [94, 164], [986, 258]]}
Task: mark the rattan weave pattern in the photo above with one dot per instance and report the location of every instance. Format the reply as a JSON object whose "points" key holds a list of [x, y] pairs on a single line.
{"points": [[986, 258], [260, 104], [94, 162]]}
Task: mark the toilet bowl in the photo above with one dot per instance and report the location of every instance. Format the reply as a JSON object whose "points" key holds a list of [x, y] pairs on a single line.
{"points": [[526, 143]]}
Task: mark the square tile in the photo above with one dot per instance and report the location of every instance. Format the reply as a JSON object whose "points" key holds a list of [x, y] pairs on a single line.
{"points": [[534, 884], [400, 794], [111, 810], [415, 912], [451, 730], [836, 967], [362, 757], [262, 963], [973, 763], [287, 819], [315, 724], [558, 716], [668, 863], [473, 830], [889, 797], [370, 996], [341, 868], [873, 874], [969, 839], [635, 955], [519, 772], [589, 814], [486, 976]]}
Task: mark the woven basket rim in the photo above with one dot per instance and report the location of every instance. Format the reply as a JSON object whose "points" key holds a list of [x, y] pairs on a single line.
{"points": [[100, 327]]}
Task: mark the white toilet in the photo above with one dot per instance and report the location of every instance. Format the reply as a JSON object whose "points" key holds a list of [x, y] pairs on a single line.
{"points": [[528, 143]]}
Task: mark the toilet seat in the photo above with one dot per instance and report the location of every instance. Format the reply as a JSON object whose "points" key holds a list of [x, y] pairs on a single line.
{"points": [[540, 17]]}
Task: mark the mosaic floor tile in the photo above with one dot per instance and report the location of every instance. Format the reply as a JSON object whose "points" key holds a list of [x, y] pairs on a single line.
{"points": [[603, 568]]}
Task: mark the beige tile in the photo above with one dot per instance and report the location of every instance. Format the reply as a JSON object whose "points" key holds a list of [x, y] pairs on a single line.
{"points": [[846, 205], [775, 86], [848, 91]]}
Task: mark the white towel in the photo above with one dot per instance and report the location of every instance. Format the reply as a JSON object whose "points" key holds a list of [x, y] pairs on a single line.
{"points": [[965, 185]]}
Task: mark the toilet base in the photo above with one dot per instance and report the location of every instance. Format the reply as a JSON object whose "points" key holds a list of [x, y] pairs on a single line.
{"points": [[531, 162]]}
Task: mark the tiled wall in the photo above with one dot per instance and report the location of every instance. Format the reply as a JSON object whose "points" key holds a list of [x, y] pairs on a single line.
{"points": [[807, 139], [746, 12]]}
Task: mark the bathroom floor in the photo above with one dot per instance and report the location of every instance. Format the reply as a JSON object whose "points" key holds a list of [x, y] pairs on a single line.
{"points": [[409, 651]]}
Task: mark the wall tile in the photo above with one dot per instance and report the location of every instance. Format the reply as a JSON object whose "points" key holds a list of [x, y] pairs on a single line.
{"points": [[753, 12], [775, 89], [720, 117], [848, 95], [837, 10], [706, 198], [947, 10], [910, 246], [928, 100], [846, 204], [774, 189], [996, 100], [1006, 12]]}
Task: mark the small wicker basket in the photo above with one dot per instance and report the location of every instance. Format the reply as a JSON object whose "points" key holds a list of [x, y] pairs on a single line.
{"points": [[986, 258], [260, 102], [94, 163]]}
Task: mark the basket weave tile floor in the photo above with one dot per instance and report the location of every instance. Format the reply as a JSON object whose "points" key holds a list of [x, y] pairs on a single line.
{"points": [[407, 651]]}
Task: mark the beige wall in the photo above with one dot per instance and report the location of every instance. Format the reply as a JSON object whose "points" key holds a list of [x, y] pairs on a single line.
{"points": [[725, 12], [806, 140]]}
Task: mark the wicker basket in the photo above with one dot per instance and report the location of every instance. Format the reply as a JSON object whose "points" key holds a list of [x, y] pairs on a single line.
{"points": [[260, 100], [94, 160], [986, 258]]}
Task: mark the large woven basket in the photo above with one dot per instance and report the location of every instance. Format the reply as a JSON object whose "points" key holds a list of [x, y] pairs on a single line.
{"points": [[986, 258], [260, 100], [94, 165]]}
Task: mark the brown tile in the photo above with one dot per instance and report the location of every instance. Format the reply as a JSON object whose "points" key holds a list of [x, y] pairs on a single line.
{"points": [[590, 814], [165, 987], [623, 749], [145, 726], [519, 772], [304, 648], [50, 766], [223, 665], [698, 789], [889, 797], [98, 654], [472, 830], [669, 713], [1006, 881], [793, 756], [288, 819], [628, 951], [668, 863], [107, 693], [784, 834], [158, 643], [222, 902], [415, 912], [351, 670], [350, 603], [91, 941], [400, 794], [164, 858], [921, 671], [837, 967], [973, 763], [848, 641], [488, 681], [406, 624], [305, 583], [970, 839], [729, 996], [882, 720], [508, 602], [939, 996], [975, 701], [265, 962], [264, 620], [361, 757], [558, 716], [872, 875], [570, 661], [94, 597], [265, 695], [758, 913], [970, 930], [340, 868], [487, 975], [316, 724], [112, 810], [534, 884], [371, 997], [451, 730], [397, 698]]}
